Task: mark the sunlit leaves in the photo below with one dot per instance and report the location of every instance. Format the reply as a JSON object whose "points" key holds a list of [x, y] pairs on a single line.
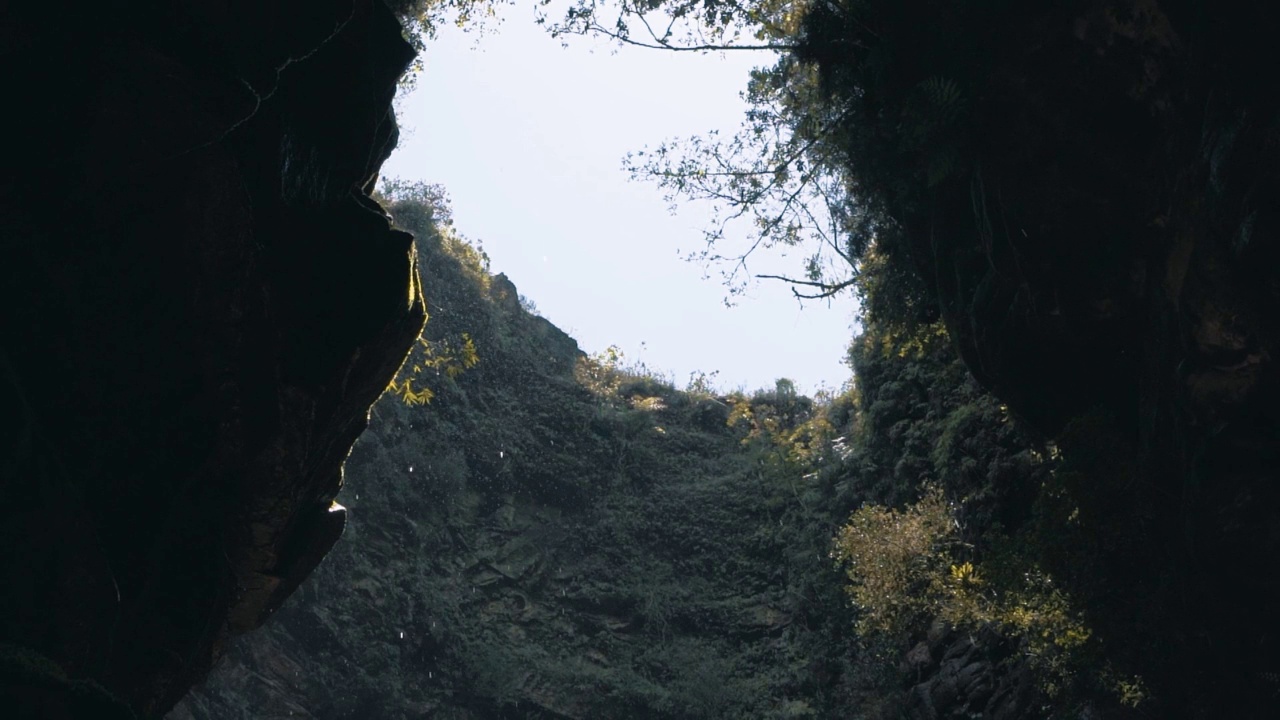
{"points": [[432, 359], [907, 566], [424, 208], [891, 558], [601, 373]]}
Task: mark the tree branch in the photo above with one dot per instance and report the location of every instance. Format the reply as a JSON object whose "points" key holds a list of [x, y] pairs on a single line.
{"points": [[825, 290], [660, 44]]}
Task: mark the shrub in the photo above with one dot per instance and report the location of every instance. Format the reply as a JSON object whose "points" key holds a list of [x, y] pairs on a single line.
{"points": [[892, 559], [907, 566]]}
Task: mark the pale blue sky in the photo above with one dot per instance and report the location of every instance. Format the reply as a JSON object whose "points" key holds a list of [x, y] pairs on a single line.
{"points": [[528, 138]]}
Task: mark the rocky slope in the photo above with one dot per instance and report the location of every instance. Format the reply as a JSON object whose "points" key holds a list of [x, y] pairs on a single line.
{"points": [[554, 536], [200, 304], [524, 547]]}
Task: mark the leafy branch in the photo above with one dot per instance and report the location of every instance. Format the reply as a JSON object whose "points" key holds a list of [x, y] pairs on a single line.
{"points": [[678, 25]]}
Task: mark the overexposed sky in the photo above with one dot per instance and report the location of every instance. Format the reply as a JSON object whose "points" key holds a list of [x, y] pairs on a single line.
{"points": [[528, 138]]}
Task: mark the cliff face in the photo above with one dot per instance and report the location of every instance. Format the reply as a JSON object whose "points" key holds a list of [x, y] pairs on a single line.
{"points": [[525, 547], [1127, 268], [553, 536], [201, 303]]}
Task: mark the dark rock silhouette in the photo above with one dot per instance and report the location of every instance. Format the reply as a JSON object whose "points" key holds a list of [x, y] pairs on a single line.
{"points": [[1116, 256], [201, 303]]}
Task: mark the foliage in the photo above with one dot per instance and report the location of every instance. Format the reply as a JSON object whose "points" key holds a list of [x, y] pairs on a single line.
{"points": [[682, 25], [783, 175], [601, 373], [960, 515], [528, 305], [614, 379], [794, 432], [779, 176], [861, 109], [416, 202], [869, 113], [908, 566], [583, 534], [571, 531], [913, 430], [837, 133], [437, 357], [894, 560], [702, 384]]}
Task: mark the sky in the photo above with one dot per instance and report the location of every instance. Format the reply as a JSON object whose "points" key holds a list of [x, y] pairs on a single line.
{"points": [[528, 138]]}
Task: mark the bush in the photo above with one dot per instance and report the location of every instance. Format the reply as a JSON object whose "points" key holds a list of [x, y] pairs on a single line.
{"points": [[907, 566]]}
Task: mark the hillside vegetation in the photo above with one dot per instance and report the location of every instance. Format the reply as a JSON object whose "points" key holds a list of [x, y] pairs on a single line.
{"points": [[538, 533]]}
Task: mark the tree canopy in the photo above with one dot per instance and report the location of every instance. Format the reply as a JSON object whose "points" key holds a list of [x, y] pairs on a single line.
{"points": [[781, 181], [839, 128]]}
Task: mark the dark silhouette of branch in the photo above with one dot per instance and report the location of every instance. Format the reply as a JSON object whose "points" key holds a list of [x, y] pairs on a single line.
{"points": [[660, 43], [825, 289]]}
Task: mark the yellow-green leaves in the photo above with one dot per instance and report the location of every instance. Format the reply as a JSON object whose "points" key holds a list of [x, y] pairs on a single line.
{"points": [[446, 357], [893, 559], [601, 373], [906, 566]]}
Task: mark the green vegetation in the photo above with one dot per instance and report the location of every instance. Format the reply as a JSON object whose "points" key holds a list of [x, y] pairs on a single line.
{"points": [[567, 535], [550, 588], [843, 137], [424, 209]]}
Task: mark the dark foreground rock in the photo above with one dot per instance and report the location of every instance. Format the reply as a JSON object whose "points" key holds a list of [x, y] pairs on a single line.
{"points": [[1099, 231], [200, 303]]}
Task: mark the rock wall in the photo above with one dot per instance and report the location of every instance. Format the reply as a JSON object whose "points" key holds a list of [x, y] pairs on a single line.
{"points": [[1106, 264], [201, 302]]}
